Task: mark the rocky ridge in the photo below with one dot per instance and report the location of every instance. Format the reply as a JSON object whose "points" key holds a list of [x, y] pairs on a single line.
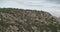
{"points": [[20, 20]]}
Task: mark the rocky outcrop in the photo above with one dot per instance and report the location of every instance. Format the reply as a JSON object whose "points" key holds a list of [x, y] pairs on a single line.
{"points": [[20, 20]]}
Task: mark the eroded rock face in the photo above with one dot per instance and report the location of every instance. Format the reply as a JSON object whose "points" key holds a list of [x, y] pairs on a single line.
{"points": [[20, 20]]}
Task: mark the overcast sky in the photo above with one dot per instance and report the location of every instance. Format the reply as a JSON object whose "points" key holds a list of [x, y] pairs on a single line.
{"points": [[52, 6]]}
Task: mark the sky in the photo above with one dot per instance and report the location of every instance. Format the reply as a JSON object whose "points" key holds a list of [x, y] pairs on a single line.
{"points": [[51, 6]]}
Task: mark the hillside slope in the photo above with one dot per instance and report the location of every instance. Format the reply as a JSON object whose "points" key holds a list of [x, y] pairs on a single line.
{"points": [[20, 20]]}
